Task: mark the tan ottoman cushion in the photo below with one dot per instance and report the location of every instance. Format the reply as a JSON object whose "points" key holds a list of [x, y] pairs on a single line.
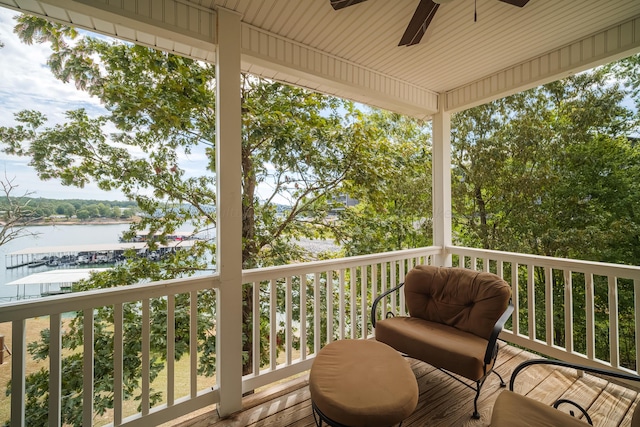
{"points": [[362, 383]]}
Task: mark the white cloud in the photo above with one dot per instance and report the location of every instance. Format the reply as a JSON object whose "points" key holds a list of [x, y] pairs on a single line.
{"points": [[27, 83]]}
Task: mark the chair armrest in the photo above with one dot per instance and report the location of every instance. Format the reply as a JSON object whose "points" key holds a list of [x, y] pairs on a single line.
{"points": [[590, 369], [377, 300], [493, 339]]}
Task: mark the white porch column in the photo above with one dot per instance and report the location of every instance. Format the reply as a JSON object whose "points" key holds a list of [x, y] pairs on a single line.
{"points": [[441, 170], [229, 213]]}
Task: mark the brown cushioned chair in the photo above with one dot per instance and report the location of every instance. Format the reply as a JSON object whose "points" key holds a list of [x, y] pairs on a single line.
{"points": [[514, 410], [455, 316]]}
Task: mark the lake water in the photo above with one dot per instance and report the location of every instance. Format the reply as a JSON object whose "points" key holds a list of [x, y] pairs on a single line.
{"points": [[70, 235], [51, 235]]}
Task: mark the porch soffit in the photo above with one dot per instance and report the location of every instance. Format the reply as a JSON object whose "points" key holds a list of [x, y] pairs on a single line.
{"points": [[353, 52]]}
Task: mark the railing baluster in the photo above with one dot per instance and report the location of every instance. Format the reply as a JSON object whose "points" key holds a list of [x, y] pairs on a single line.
{"points": [[303, 316], [87, 366], [193, 344], [273, 331], [18, 371], [288, 309], [590, 315], [55, 369], [374, 286], [354, 301], [531, 301], [614, 329], [256, 327], [363, 301], [515, 299], [317, 315], [548, 300], [171, 348], [403, 306], [568, 310], [329, 306], [146, 356], [117, 363], [394, 296], [341, 304], [384, 283]]}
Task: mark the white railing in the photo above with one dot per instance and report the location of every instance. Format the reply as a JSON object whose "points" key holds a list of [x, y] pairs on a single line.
{"points": [[119, 300], [587, 294], [301, 307], [331, 300], [296, 309]]}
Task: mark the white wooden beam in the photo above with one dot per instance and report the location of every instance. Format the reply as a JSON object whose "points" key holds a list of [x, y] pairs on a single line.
{"points": [[285, 60], [229, 213], [441, 192], [617, 42]]}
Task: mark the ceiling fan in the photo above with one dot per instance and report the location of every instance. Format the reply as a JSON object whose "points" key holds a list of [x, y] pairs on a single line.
{"points": [[422, 17]]}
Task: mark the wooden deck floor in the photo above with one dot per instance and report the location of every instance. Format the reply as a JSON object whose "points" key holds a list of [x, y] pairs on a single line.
{"points": [[444, 401]]}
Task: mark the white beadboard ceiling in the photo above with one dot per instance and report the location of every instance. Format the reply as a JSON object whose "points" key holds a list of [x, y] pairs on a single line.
{"points": [[354, 53]]}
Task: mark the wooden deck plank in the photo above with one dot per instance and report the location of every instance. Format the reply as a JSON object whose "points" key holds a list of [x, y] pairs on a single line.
{"points": [[612, 405], [549, 385], [443, 401], [584, 391], [626, 421]]}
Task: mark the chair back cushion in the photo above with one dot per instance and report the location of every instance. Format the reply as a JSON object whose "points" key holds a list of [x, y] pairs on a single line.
{"points": [[469, 300]]}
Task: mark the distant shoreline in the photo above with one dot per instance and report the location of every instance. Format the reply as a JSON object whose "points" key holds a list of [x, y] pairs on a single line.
{"points": [[72, 221]]}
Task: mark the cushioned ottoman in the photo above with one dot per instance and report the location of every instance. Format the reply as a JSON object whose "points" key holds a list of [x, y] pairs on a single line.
{"points": [[361, 383]]}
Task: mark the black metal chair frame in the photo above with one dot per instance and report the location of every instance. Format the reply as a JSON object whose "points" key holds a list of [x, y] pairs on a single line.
{"points": [[579, 367], [490, 355], [322, 417]]}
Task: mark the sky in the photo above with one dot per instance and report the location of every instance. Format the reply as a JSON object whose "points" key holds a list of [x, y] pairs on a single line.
{"points": [[27, 83]]}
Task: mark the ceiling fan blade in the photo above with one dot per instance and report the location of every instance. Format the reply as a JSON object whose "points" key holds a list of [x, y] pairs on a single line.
{"points": [[341, 4], [419, 23], [519, 3]]}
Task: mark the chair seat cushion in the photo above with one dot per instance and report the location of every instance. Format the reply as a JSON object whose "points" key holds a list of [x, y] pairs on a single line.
{"points": [[362, 383], [439, 345], [514, 410]]}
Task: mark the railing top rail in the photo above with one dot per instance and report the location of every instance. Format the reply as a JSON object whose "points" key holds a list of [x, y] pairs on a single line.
{"points": [[277, 272], [103, 297], [578, 266], [78, 301]]}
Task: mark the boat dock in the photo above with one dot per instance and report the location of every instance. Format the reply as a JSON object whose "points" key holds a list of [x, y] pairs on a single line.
{"points": [[52, 282], [104, 253]]}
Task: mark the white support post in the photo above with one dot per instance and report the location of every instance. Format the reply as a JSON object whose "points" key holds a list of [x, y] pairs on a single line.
{"points": [[441, 192], [229, 213]]}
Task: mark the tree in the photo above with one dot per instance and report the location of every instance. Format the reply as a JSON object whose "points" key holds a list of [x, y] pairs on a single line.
{"points": [[627, 70], [17, 213], [66, 209], [394, 197], [300, 146], [552, 171], [516, 162], [83, 214]]}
